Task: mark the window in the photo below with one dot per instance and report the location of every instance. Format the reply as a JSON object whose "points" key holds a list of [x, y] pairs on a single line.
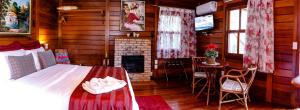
{"points": [[237, 23], [170, 32], [176, 36]]}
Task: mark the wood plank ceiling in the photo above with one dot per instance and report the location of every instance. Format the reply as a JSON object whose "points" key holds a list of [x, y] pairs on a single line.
{"points": [[190, 4]]}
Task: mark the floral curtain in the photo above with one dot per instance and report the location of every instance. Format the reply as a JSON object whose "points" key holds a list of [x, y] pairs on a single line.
{"points": [[176, 33], [259, 48]]}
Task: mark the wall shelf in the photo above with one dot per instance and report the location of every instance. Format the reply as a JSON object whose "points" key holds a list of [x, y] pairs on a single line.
{"points": [[82, 11], [64, 13]]}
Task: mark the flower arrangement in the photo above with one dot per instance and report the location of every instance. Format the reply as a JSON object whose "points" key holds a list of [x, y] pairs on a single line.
{"points": [[211, 51]]}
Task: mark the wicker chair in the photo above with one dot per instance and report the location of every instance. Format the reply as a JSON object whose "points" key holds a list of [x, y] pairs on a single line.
{"points": [[238, 85], [198, 73]]}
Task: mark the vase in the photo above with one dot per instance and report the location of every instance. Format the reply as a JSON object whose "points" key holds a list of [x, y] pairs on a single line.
{"points": [[210, 60]]}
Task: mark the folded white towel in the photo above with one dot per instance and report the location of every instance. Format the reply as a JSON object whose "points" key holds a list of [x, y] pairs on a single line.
{"points": [[99, 85]]}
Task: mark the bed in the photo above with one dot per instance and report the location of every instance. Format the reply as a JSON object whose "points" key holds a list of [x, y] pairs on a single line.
{"points": [[48, 89], [59, 88]]}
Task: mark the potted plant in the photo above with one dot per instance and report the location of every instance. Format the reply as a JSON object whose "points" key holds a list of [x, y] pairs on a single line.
{"points": [[211, 54]]}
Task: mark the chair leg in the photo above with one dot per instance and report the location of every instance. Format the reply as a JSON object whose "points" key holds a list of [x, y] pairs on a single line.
{"points": [[220, 100], [208, 91], [186, 77], [166, 72], [205, 85], [245, 101], [193, 85], [248, 97], [167, 76]]}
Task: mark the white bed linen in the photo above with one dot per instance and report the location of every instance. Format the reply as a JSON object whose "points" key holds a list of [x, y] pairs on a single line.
{"points": [[48, 89], [34, 53]]}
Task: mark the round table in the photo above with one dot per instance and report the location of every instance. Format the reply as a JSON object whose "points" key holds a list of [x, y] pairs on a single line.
{"points": [[211, 71]]}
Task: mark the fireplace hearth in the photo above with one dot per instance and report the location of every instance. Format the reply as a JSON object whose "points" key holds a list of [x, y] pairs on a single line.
{"points": [[133, 63]]}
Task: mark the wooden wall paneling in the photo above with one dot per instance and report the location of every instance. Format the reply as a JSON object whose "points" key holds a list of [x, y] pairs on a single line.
{"points": [[84, 32], [269, 87], [285, 69], [90, 38], [114, 21], [47, 22]]}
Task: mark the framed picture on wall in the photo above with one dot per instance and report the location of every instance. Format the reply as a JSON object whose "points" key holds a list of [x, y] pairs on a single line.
{"points": [[15, 16], [132, 15]]}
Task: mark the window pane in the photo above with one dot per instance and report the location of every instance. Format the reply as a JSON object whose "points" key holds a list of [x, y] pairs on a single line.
{"points": [[232, 43], [176, 42], [170, 23], [170, 32], [244, 18], [169, 41], [242, 43], [234, 19]]}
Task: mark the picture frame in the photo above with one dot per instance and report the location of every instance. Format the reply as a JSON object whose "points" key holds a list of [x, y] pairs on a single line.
{"points": [[15, 17], [132, 15]]}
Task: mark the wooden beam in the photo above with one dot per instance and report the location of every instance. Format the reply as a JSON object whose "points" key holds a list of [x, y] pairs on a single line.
{"points": [[37, 21], [107, 22], [154, 44], [156, 3], [59, 37], [296, 38], [296, 65], [224, 32]]}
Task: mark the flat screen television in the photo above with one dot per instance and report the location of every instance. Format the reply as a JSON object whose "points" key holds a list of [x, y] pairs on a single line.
{"points": [[204, 22]]}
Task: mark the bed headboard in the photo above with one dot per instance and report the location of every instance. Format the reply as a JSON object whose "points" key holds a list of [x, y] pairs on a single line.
{"points": [[16, 45]]}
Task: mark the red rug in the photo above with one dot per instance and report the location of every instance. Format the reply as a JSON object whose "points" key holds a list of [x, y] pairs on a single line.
{"points": [[154, 102]]}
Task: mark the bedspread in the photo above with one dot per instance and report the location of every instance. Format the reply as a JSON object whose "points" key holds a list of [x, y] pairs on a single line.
{"points": [[120, 99]]}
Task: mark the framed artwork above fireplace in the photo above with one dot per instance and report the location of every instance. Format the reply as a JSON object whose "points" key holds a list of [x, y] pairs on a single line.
{"points": [[132, 15]]}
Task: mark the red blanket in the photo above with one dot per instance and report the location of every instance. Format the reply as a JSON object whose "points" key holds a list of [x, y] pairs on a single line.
{"points": [[115, 100]]}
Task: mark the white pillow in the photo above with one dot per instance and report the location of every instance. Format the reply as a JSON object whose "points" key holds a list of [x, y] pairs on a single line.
{"points": [[35, 56], [5, 72]]}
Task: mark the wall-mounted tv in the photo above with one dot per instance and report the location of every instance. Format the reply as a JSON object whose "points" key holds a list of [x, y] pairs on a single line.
{"points": [[204, 22]]}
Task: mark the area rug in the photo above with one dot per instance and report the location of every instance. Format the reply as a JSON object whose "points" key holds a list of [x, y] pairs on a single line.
{"points": [[154, 102]]}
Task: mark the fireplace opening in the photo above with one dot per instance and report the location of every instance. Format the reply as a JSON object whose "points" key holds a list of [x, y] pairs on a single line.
{"points": [[133, 63]]}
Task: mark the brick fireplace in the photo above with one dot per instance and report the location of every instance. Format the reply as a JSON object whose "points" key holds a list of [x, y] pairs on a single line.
{"points": [[134, 47]]}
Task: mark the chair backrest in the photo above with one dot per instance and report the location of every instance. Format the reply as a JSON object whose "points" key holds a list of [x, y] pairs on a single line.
{"points": [[195, 63], [251, 71]]}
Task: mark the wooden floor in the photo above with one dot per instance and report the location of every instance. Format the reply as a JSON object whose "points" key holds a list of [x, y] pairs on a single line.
{"points": [[179, 96]]}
